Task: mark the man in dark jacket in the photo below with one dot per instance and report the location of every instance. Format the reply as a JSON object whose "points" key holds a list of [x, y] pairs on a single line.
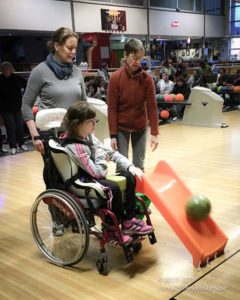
{"points": [[181, 87], [11, 86]]}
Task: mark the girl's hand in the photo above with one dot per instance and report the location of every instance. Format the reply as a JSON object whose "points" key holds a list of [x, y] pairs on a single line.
{"points": [[136, 171], [114, 144]]}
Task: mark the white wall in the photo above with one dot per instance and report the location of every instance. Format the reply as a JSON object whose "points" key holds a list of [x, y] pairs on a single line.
{"points": [[189, 24], [88, 18], [48, 15], [45, 15]]}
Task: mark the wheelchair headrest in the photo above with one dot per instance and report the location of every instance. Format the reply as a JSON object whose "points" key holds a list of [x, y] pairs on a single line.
{"points": [[50, 118]]}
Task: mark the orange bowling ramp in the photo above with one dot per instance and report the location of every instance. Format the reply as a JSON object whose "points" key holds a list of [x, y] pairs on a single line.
{"points": [[203, 239]]}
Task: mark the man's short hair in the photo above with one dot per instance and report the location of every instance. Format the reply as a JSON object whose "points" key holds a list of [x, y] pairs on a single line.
{"points": [[133, 46]]}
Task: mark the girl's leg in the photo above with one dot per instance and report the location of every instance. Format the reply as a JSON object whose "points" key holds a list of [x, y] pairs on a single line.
{"points": [[130, 203], [117, 204]]}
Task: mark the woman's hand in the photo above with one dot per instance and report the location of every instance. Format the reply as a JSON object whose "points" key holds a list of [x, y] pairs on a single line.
{"points": [[38, 145]]}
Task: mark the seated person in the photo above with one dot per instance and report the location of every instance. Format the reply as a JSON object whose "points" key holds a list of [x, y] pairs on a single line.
{"points": [[205, 72], [181, 69], [100, 85], [103, 72], [88, 81], [164, 85], [92, 156], [226, 81], [94, 92], [223, 79], [168, 69], [180, 87], [195, 79]]}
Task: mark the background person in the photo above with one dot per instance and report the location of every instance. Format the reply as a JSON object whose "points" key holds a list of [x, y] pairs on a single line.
{"points": [[180, 87], [132, 105], [164, 85], [57, 81], [11, 86]]}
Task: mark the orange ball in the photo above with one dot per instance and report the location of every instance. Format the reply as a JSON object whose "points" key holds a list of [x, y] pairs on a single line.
{"points": [[179, 97], [164, 114]]}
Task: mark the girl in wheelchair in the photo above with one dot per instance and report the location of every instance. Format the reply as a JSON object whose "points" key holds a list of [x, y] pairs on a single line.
{"points": [[93, 157]]}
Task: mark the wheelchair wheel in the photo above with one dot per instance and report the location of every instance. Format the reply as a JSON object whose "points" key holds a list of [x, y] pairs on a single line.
{"points": [[59, 227]]}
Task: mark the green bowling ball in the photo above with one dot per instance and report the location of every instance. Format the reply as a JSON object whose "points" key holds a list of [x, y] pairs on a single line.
{"points": [[198, 207], [160, 97], [219, 89]]}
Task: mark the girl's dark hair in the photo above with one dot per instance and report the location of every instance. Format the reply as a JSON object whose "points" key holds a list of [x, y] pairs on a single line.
{"points": [[77, 113], [60, 36]]}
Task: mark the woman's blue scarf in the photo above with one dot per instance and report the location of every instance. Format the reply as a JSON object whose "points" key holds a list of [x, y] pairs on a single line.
{"points": [[62, 71]]}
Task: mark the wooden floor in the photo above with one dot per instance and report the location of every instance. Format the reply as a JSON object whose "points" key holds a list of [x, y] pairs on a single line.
{"points": [[207, 159]]}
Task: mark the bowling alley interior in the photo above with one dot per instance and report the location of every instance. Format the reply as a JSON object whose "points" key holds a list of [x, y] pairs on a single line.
{"points": [[158, 84]]}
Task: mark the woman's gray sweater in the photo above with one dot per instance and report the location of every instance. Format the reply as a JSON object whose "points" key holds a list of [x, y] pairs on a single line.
{"points": [[53, 92]]}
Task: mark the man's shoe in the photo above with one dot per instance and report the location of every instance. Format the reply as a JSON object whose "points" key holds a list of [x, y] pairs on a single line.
{"points": [[13, 151], [23, 147], [3, 150]]}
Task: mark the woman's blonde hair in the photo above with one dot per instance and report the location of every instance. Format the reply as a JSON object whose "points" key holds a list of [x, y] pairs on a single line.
{"points": [[60, 36]]}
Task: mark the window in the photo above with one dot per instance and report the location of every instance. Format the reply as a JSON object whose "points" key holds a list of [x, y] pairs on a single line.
{"points": [[214, 7], [186, 4], [164, 3], [199, 5], [235, 19], [235, 49], [129, 2]]}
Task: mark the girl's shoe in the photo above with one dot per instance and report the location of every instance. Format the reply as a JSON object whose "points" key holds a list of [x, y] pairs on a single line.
{"points": [[136, 227], [114, 240]]}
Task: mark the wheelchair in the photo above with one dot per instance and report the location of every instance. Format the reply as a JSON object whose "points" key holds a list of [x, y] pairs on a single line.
{"points": [[63, 217]]}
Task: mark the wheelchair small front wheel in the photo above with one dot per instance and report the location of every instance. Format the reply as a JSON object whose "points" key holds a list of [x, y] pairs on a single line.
{"points": [[102, 264], [59, 227]]}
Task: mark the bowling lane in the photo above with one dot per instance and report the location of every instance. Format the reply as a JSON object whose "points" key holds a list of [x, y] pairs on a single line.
{"points": [[221, 283]]}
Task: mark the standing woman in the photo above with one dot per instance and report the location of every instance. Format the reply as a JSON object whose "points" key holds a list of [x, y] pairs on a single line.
{"points": [[57, 81], [11, 86]]}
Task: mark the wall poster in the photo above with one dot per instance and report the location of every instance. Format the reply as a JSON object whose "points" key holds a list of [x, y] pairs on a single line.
{"points": [[113, 20]]}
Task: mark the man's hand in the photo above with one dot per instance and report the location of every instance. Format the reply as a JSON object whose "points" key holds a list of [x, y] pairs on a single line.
{"points": [[154, 142], [114, 144]]}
